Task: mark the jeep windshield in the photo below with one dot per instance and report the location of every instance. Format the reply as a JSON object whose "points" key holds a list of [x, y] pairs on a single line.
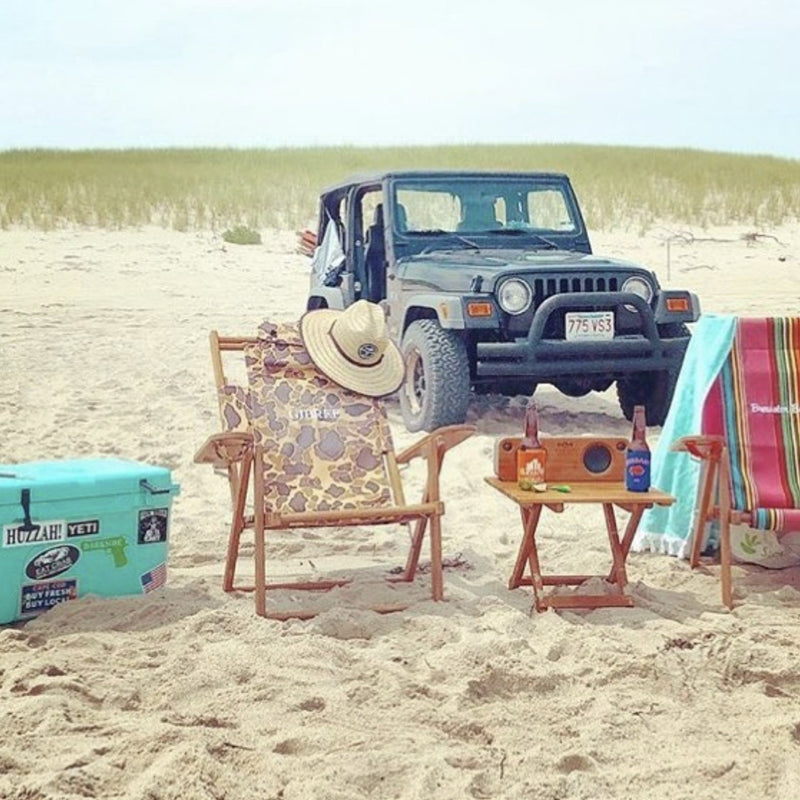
{"points": [[451, 211]]}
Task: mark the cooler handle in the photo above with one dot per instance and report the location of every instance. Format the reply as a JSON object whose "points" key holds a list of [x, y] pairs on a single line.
{"points": [[25, 502], [145, 484]]}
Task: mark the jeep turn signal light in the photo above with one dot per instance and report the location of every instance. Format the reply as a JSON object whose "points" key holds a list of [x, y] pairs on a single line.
{"points": [[677, 304], [476, 309]]}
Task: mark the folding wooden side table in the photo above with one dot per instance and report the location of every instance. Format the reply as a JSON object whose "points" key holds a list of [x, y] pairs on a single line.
{"points": [[605, 494]]}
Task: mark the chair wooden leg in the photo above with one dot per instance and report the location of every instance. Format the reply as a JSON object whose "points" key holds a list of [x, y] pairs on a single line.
{"points": [[437, 579], [237, 524], [725, 531], [258, 530], [708, 473], [414, 552], [233, 482]]}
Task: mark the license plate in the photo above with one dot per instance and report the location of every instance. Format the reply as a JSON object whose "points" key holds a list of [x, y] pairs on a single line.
{"points": [[589, 325]]}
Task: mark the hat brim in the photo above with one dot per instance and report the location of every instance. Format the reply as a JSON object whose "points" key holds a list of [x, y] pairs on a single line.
{"points": [[379, 380]]}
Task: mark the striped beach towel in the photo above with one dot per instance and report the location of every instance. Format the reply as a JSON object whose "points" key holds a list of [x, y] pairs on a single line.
{"points": [[740, 379]]}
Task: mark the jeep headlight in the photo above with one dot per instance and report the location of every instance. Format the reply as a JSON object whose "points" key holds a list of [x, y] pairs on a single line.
{"points": [[639, 286], [514, 296]]}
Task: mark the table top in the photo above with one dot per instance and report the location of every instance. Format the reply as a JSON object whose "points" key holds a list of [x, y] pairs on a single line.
{"points": [[582, 492]]}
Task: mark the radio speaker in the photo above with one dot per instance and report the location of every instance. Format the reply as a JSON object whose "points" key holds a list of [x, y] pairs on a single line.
{"points": [[569, 458]]}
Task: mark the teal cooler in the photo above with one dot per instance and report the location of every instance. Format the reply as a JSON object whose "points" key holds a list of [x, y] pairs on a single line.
{"points": [[78, 527]]}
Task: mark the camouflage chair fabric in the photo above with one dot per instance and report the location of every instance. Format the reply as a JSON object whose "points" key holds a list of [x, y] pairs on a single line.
{"points": [[234, 405], [324, 446]]}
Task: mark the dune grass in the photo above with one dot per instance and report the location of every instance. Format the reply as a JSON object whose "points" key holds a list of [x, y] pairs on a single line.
{"points": [[190, 189]]}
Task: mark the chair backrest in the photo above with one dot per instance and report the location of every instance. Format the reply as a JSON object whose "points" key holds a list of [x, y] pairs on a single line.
{"points": [[755, 405], [326, 448]]}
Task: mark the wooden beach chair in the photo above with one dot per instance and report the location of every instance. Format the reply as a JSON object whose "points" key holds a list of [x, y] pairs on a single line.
{"points": [[750, 442], [319, 456]]}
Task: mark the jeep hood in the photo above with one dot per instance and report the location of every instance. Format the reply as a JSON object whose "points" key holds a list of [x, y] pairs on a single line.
{"points": [[455, 270]]}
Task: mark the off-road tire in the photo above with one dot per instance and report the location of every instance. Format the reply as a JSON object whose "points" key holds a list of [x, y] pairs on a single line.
{"points": [[653, 390], [435, 391]]}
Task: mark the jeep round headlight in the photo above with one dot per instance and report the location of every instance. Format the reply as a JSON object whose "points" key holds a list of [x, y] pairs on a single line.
{"points": [[639, 286], [514, 296]]}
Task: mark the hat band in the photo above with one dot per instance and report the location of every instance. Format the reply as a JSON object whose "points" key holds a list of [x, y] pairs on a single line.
{"points": [[346, 357]]}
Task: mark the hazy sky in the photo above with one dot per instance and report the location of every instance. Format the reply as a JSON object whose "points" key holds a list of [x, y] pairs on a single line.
{"points": [[714, 74]]}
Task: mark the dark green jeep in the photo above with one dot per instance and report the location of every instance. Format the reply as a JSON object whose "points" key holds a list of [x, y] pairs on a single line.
{"points": [[489, 283]]}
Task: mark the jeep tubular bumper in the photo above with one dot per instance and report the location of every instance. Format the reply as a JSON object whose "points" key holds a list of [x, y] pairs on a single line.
{"points": [[541, 358]]}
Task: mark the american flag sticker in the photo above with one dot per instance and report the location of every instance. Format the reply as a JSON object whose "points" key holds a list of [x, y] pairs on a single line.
{"points": [[154, 578]]}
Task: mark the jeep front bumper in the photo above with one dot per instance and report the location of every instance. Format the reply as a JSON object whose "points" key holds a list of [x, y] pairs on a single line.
{"points": [[541, 358]]}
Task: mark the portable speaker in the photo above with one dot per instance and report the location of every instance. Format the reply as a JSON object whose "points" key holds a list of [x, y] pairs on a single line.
{"points": [[569, 458]]}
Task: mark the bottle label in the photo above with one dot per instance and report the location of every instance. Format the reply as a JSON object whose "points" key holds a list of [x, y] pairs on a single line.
{"points": [[530, 467], [637, 470]]}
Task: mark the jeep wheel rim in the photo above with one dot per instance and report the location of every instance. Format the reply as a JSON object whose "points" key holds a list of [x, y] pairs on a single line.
{"points": [[415, 381]]}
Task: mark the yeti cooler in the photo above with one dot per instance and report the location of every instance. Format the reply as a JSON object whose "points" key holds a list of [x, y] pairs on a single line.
{"points": [[88, 526]]}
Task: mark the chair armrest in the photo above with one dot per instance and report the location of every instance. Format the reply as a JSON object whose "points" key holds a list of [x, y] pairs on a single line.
{"points": [[442, 439], [709, 447], [224, 448]]}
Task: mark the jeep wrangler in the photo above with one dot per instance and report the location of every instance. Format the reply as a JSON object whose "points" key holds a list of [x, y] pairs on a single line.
{"points": [[489, 284]]}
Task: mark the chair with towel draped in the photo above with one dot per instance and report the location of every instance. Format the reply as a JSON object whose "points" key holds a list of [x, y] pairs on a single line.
{"points": [[320, 455], [750, 441]]}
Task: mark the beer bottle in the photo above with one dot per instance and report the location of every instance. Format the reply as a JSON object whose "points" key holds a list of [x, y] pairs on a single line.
{"points": [[531, 456], [637, 455]]}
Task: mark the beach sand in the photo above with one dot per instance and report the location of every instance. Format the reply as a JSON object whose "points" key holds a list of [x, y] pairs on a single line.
{"points": [[185, 693]]}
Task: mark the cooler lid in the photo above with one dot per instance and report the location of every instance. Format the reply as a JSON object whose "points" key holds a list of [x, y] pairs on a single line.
{"points": [[75, 478]]}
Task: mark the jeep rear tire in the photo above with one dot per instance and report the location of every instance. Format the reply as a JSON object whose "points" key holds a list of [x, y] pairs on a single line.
{"points": [[436, 387], [653, 390]]}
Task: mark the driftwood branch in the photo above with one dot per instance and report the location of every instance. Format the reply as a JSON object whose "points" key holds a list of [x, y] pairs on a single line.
{"points": [[752, 238], [688, 238]]}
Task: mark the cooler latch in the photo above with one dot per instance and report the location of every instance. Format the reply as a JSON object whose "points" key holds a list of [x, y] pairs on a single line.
{"points": [[145, 484]]}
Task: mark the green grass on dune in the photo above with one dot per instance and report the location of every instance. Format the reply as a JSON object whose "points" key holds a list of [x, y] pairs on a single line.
{"points": [[190, 189]]}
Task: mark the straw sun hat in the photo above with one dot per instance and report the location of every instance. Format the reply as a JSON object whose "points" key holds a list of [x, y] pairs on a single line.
{"points": [[352, 347]]}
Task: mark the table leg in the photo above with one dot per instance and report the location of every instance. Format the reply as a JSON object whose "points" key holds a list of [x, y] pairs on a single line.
{"points": [[627, 539], [527, 555], [528, 561], [617, 575]]}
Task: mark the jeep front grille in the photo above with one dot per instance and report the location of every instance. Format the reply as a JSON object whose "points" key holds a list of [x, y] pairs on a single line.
{"points": [[544, 286]]}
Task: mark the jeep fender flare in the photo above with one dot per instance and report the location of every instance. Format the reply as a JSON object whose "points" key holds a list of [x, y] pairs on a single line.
{"points": [[447, 310]]}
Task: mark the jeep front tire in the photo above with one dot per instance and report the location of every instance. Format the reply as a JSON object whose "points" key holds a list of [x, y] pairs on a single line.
{"points": [[435, 391]]}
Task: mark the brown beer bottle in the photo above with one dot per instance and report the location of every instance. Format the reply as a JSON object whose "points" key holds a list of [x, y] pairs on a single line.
{"points": [[531, 456], [637, 456]]}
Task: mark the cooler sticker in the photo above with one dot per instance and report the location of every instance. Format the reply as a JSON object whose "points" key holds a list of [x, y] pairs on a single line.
{"points": [[17, 535], [38, 597], [153, 525], [52, 562], [87, 527], [113, 545], [153, 579]]}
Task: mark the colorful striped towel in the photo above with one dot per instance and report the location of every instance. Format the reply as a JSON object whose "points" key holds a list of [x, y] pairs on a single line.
{"points": [[740, 379]]}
